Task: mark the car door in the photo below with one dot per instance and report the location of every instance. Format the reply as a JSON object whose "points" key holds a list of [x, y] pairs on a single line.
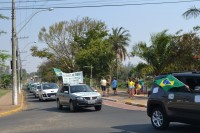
{"points": [[66, 95], [194, 101], [181, 101]]}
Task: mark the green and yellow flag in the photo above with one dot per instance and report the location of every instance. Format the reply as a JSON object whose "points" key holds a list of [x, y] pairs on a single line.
{"points": [[169, 82], [57, 71]]}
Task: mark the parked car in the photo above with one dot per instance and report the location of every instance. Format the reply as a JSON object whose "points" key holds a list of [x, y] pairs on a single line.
{"points": [[176, 105], [48, 91], [77, 96], [36, 90]]}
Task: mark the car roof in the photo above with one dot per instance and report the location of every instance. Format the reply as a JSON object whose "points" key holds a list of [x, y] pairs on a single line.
{"points": [[74, 84], [181, 74]]}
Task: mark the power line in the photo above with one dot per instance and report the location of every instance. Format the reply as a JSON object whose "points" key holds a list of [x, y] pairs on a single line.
{"points": [[103, 5]]}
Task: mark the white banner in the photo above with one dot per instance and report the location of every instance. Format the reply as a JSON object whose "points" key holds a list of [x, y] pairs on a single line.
{"points": [[72, 78]]}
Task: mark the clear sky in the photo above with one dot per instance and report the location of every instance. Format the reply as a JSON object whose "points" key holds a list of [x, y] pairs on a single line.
{"points": [[141, 17]]}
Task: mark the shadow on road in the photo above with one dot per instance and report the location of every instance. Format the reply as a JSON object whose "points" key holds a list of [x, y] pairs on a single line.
{"points": [[66, 110], [144, 128]]}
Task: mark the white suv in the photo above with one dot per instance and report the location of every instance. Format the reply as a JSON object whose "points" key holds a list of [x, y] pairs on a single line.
{"points": [[48, 91]]}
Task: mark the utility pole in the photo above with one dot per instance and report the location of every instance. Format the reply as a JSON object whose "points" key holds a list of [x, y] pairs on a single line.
{"points": [[18, 69], [14, 74]]}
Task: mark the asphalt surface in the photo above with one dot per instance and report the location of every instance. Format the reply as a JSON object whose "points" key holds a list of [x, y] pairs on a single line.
{"points": [[115, 117]]}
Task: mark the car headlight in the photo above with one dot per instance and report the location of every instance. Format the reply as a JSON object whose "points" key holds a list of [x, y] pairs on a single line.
{"points": [[98, 97], [79, 98]]}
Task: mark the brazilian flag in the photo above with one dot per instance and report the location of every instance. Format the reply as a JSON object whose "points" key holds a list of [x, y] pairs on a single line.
{"points": [[57, 71], [169, 82]]}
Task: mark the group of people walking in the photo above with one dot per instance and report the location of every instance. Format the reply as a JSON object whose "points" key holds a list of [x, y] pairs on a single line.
{"points": [[107, 84]]}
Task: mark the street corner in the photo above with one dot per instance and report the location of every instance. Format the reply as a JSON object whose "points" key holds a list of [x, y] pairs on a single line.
{"points": [[17, 108]]}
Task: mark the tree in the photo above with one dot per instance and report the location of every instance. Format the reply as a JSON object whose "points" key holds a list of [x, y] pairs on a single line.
{"points": [[3, 17], [119, 38], [3, 57], [157, 55], [95, 51], [192, 12]]}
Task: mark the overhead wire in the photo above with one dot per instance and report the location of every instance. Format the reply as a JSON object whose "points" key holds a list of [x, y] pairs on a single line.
{"points": [[95, 4]]}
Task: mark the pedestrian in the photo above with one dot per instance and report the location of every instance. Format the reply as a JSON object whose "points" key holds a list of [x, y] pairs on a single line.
{"points": [[131, 87], [114, 86], [108, 82], [137, 87], [103, 85]]}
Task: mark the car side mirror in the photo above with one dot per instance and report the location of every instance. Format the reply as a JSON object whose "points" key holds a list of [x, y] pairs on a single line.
{"points": [[66, 92], [95, 90]]}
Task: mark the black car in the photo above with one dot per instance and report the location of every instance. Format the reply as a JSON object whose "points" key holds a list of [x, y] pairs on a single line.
{"points": [[179, 104]]}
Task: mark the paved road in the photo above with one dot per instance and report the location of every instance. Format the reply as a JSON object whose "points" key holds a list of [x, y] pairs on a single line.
{"points": [[43, 117]]}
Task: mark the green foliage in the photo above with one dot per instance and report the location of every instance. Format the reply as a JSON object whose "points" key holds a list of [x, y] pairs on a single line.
{"points": [[5, 80], [3, 17], [192, 12], [3, 57]]}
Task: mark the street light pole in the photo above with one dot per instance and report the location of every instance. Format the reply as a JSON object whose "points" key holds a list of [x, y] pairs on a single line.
{"points": [[14, 49], [90, 74]]}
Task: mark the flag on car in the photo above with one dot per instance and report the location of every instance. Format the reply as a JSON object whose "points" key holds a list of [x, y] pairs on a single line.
{"points": [[57, 71], [169, 82]]}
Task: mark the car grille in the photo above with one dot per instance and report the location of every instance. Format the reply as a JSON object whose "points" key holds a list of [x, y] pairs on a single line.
{"points": [[50, 94], [90, 98]]}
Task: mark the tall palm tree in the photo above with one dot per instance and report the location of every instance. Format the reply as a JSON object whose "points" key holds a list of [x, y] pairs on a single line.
{"points": [[192, 12], [157, 56], [119, 39]]}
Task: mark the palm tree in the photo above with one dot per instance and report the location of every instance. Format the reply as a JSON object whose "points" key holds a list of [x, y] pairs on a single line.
{"points": [[157, 56], [192, 12], [119, 39]]}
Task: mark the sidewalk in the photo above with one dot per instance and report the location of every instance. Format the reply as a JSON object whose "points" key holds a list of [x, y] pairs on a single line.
{"points": [[123, 97], [6, 106]]}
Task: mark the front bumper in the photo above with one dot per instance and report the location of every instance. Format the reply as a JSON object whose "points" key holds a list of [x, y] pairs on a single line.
{"points": [[87, 103], [49, 96]]}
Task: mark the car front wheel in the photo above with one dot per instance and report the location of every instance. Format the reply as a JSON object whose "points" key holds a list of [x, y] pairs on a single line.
{"points": [[159, 119], [59, 106], [72, 108]]}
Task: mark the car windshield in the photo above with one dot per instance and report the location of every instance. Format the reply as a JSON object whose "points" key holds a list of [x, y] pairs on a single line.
{"points": [[49, 86], [80, 88]]}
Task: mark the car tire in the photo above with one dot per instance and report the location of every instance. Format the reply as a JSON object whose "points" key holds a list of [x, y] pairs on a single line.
{"points": [[72, 108], [59, 106], [159, 119], [97, 108]]}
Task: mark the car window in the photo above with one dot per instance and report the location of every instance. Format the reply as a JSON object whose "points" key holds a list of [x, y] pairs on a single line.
{"points": [[80, 88], [49, 86], [64, 88], [179, 89], [39, 87]]}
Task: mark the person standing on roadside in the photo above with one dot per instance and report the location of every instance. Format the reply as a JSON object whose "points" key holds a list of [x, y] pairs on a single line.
{"points": [[103, 85], [108, 82], [131, 87], [114, 86]]}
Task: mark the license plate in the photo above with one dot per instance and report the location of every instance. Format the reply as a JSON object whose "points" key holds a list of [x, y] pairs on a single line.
{"points": [[52, 95], [91, 101]]}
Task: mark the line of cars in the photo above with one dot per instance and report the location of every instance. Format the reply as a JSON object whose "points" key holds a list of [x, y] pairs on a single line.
{"points": [[74, 96]]}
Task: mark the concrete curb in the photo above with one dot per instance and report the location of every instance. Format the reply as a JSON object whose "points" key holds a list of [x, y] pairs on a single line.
{"points": [[126, 102], [110, 99], [17, 109], [135, 104]]}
